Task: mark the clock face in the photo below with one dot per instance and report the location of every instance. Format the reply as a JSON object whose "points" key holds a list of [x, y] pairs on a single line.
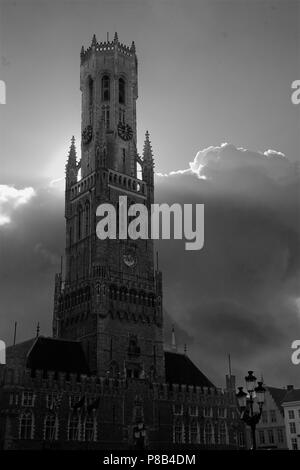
{"points": [[125, 131], [129, 260], [87, 134]]}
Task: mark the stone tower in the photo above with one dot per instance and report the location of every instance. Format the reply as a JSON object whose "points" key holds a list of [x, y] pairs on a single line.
{"points": [[110, 295]]}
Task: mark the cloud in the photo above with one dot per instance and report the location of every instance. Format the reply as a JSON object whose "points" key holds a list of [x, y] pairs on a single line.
{"points": [[239, 294], [229, 158], [11, 199]]}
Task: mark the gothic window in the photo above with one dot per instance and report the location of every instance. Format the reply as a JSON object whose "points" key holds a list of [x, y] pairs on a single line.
{"points": [[208, 433], [105, 88], [87, 293], [26, 425], [133, 347], [194, 432], [50, 427], [89, 428], [74, 427], [178, 432], [87, 219], [121, 91], [222, 433], [122, 115], [105, 116], [79, 223], [91, 90]]}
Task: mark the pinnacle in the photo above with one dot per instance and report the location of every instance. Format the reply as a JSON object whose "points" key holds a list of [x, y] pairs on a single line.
{"points": [[147, 151], [72, 151], [94, 40], [116, 37]]}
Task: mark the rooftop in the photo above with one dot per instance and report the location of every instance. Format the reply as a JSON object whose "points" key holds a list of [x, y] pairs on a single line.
{"points": [[291, 395], [60, 355], [181, 370]]}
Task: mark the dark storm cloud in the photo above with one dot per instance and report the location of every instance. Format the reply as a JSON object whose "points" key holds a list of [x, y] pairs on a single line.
{"points": [[238, 294], [31, 245]]}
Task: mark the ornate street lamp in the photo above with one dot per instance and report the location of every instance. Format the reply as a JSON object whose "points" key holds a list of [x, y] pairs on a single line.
{"points": [[246, 403]]}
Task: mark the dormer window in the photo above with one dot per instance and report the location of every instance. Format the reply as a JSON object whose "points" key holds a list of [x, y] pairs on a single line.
{"points": [[105, 88], [121, 91]]}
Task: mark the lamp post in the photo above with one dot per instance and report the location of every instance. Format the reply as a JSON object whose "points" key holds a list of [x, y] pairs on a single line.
{"points": [[246, 403]]}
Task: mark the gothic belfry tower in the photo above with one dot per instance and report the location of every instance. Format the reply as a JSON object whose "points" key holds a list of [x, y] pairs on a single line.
{"points": [[110, 296]]}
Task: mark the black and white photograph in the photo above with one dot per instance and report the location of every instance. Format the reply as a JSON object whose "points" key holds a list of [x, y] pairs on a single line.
{"points": [[149, 230]]}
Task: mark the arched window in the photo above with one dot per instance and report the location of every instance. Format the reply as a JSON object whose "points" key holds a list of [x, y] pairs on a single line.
{"points": [[208, 433], [90, 428], [222, 433], [178, 432], [26, 425], [194, 432], [105, 88], [91, 90], [74, 427], [121, 91], [50, 427], [105, 116], [79, 223], [87, 219]]}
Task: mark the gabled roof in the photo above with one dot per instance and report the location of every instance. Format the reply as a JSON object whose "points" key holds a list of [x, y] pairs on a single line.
{"points": [[57, 355], [292, 395], [277, 394], [181, 370]]}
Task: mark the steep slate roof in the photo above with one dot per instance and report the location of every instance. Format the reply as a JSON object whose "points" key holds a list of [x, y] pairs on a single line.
{"points": [[16, 355], [277, 394], [181, 370], [57, 355], [61, 355], [292, 395]]}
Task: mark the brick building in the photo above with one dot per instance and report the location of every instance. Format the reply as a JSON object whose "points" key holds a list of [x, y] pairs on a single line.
{"points": [[104, 380]]}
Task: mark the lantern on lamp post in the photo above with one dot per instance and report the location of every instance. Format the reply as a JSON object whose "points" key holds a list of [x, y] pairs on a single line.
{"points": [[246, 402]]}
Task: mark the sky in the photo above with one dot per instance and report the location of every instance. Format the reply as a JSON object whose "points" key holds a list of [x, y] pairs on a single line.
{"points": [[210, 72]]}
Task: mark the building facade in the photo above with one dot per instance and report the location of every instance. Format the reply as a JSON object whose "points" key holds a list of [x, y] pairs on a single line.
{"points": [[291, 406], [270, 431], [104, 380]]}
